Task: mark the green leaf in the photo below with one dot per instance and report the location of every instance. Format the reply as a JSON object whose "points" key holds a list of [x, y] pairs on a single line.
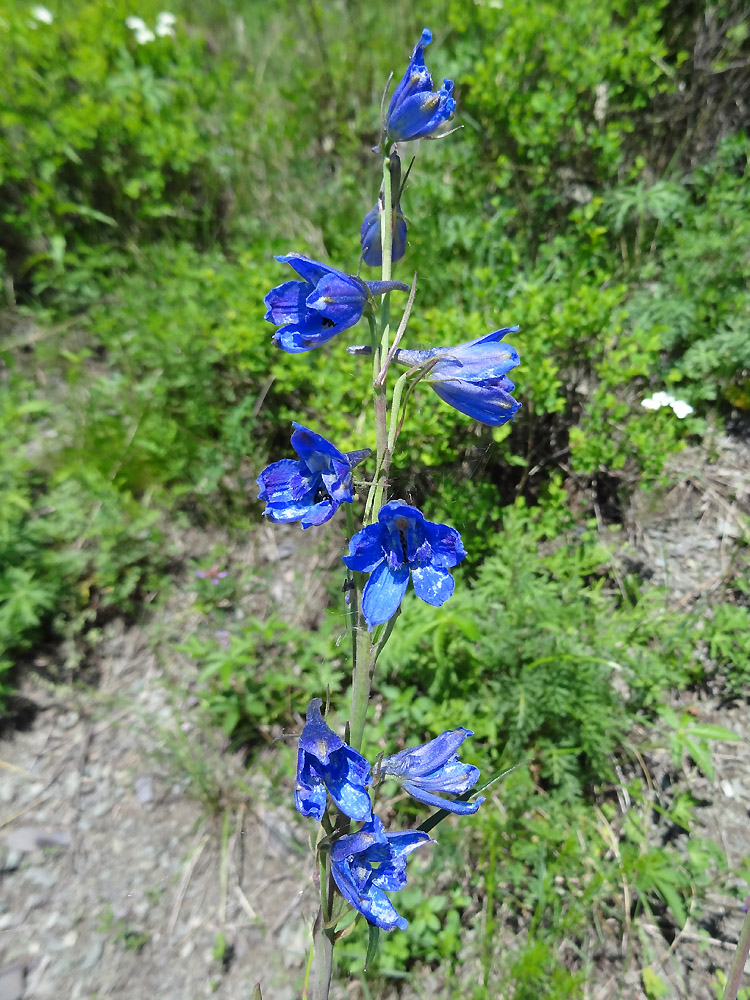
{"points": [[710, 731], [372, 945], [653, 985]]}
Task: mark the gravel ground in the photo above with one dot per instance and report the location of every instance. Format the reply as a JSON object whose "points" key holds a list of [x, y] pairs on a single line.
{"points": [[114, 880]]}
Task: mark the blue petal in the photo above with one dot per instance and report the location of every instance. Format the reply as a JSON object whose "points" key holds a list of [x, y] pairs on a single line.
{"points": [[416, 78], [421, 114], [309, 791], [490, 338], [406, 841], [451, 805], [318, 513], [307, 268], [365, 549], [475, 364], [317, 738], [399, 237], [403, 532], [372, 903], [369, 836], [339, 298], [390, 876], [275, 478], [446, 545], [355, 457], [314, 450], [454, 777], [383, 593], [490, 404], [370, 237], [346, 776], [434, 586], [338, 482], [286, 512], [286, 303], [414, 762], [296, 338]]}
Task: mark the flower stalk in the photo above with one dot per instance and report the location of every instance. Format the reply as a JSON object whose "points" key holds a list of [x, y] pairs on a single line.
{"points": [[732, 987], [359, 862]]}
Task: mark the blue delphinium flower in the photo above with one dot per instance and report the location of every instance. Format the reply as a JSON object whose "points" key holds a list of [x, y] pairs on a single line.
{"points": [[371, 235], [470, 377], [324, 761], [366, 863], [312, 489], [434, 767], [399, 543], [312, 311], [415, 110]]}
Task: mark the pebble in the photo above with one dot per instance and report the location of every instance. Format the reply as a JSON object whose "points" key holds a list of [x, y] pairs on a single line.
{"points": [[68, 720], [11, 861], [12, 981], [92, 956], [42, 877], [144, 789], [7, 790]]}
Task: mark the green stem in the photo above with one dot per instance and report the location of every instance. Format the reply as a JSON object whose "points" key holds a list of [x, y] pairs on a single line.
{"points": [[322, 963], [380, 405], [379, 386], [351, 596], [361, 681], [365, 654], [398, 391], [738, 962]]}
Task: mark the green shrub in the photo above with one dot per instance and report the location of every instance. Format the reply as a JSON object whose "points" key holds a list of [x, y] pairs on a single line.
{"points": [[109, 139], [71, 543]]}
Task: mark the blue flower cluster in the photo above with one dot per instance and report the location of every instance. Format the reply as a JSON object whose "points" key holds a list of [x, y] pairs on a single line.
{"points": [[401, 545], [370, 862]]}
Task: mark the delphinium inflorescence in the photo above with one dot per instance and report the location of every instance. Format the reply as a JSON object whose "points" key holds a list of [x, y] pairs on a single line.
{"points": [[359, 861]]}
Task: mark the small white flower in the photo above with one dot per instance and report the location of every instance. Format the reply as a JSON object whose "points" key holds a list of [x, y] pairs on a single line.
{"points": [[656, 401], [681, 408], [136, 24], [42, 14], [144, 35], [165, 24]]}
